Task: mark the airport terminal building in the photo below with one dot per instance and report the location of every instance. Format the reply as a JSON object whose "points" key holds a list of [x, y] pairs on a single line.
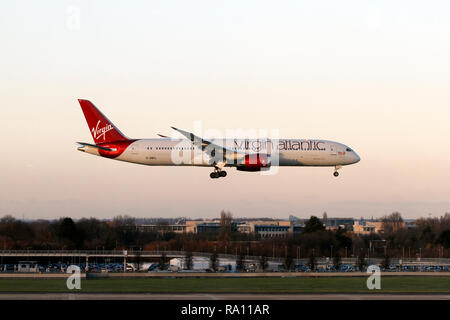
{"points": [[270, 228]]}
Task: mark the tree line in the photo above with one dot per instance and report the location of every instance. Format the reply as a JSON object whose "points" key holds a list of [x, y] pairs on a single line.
{"points": [[430, 237]]}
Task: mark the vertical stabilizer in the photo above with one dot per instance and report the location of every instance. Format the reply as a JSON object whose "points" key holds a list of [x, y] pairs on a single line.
{"points": [[101, 128]]}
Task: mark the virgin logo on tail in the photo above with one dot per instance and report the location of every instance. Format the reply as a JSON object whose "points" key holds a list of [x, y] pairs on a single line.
{"points": [[100, 132]]}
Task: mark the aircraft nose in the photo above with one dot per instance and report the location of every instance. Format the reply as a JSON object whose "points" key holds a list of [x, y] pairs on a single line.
{"points": [[356, 156]]}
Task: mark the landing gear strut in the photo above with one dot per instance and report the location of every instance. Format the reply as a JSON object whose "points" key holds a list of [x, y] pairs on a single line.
{"points": [[336, 173], [218, 173]]}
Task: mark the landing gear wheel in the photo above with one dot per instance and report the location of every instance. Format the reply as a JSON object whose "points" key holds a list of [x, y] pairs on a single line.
{"points": [[336, 174], [218, 173]]}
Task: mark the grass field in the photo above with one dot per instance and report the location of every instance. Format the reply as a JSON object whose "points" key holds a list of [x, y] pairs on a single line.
{"points": [[233, 285]]}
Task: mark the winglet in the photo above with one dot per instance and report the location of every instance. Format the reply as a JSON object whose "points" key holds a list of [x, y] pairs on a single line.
{"points": [[188, 135]]}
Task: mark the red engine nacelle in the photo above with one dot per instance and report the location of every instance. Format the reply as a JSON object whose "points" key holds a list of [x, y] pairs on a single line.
{"points": [[255, 162]]}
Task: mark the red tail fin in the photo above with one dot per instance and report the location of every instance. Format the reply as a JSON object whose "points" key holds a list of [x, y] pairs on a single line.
{"points": [[101, 128]]}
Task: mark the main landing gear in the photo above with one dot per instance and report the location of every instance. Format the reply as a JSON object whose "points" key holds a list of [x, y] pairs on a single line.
{"points": [[336, 173], [218, 173]]}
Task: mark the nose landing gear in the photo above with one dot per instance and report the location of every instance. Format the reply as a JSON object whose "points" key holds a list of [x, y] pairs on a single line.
{"points": [[336, 173]]}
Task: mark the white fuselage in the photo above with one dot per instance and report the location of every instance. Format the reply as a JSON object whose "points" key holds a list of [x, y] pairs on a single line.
{"points": [[283, 152]]}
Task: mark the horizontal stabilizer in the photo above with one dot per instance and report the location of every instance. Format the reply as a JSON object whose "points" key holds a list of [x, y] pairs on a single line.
{"points": [[83, 145]]}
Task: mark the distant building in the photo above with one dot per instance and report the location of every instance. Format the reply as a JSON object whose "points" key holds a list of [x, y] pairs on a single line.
{"points": [[364, 227], [339, 223], [410, 224], [163, 228], [266, 229], [297, 228], [207, 226], [202, 226], [245, 228], [270, 231]]}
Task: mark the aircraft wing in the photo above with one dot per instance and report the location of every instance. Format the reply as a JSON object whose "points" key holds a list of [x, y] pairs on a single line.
{"points": [[212, 149]]}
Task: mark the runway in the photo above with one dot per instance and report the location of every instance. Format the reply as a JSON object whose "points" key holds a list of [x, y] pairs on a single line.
{"points": [[217, 296]]}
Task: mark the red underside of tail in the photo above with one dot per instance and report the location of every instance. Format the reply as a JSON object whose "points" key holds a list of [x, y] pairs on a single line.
{"points": [[119, 146]]}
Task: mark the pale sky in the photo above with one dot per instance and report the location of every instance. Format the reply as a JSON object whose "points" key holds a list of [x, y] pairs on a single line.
{"points": [[374, 75]]}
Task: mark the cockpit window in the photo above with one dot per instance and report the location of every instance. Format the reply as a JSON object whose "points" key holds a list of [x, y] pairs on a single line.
{"points": [[349, 150]]}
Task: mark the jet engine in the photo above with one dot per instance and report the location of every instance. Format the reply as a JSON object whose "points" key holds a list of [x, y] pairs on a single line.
{"points": [[254, 162]]}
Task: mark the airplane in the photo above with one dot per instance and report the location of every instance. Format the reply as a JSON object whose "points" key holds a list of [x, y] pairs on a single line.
{"points": [[244, 154]]}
